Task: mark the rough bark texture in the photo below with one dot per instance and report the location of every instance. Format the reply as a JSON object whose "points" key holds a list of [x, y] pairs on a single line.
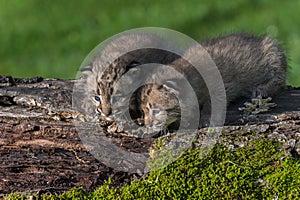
{"points": [[41, 151]]}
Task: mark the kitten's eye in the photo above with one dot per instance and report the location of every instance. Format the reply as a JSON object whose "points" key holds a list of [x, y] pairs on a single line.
{"points": [[97, 98]]}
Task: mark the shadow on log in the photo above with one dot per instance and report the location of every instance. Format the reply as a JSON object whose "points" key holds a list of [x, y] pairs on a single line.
{"points": [[40, 150]]}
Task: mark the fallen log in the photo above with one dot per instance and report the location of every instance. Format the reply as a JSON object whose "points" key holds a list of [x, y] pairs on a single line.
{"points": [[41, 151]]}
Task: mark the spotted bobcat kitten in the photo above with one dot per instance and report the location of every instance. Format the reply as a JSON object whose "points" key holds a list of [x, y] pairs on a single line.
{"points": [[250, 66], [109, 66]]}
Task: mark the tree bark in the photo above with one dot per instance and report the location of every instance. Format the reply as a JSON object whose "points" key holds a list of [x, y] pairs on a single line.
{"points": [[41, 151]]}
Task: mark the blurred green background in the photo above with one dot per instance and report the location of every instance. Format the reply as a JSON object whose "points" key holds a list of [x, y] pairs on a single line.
{"points": [[52, 38]]}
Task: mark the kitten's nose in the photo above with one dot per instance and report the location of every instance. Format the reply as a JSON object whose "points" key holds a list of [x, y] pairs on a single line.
{"points": [[106, 111]]}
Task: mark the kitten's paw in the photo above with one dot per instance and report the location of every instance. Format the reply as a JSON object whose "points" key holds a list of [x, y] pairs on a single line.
{"points": [[257, 105]]}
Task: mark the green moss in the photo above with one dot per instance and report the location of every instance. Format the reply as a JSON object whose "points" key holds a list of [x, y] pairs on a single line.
{"points": [[253, 172]]}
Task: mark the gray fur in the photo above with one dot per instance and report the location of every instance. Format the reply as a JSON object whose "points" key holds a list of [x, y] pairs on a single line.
{"points": [[250, 66], [104, 71]]}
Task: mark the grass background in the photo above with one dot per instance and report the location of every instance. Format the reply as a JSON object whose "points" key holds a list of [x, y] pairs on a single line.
{"points": [[52, 38]]}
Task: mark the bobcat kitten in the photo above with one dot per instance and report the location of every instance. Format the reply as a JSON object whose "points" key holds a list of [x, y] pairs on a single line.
{"points": [[102, 73], [250, 66]]}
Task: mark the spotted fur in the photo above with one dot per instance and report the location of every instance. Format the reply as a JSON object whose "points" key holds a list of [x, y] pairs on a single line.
{"points": [[104, 71], [249, 66]]}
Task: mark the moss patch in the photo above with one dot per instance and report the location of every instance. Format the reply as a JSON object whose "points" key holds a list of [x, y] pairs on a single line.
{"points": [[253, 172]]}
